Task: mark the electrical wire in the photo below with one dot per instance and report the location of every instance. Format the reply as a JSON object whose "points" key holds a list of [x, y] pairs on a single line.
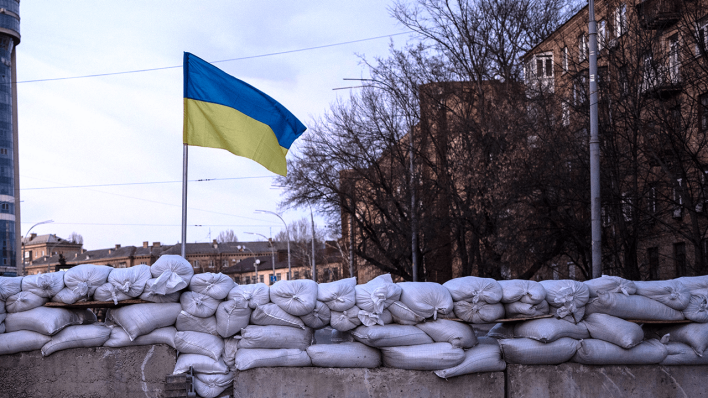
{"points": [[142, 183]]}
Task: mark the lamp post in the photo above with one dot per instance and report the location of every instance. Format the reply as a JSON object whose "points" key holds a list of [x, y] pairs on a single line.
{"points": [[287, 233], [23, 244], [255, 262], [272, 248]]}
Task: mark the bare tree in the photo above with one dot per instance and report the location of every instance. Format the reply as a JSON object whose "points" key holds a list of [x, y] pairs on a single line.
{"points": [[227, 236], [76, 238]]}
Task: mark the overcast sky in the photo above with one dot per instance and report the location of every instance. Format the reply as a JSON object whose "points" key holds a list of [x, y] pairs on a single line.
{"points": [[127, 129]]}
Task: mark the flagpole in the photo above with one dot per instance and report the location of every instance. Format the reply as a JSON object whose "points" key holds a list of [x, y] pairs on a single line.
{"points": [[184, 202]]}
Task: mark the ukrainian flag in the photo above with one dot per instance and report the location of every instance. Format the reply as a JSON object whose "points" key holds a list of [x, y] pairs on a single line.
{"points": [[221, 111]]}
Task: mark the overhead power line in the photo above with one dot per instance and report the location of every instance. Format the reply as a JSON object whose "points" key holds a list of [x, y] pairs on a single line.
{"points": [[142, 183], [158, 225]]}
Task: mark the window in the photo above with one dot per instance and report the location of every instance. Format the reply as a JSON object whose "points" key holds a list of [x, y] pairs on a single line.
{"points": [[296, 274], [648, 73], [605, 215], [621, 20], [651, 201], [260, 278], [336, 274], [247, 280], [680, 258], [703, 112], [653, 260], [277, 276], [237, 279], [3, 151], [623, 81], [674, 76], [571, 270], [582, 47], [627, 208], [702, 37], [554, 269], [601, 34], [565, 59], [539, 72], [196, 263], [678, 198], [565, 117]]}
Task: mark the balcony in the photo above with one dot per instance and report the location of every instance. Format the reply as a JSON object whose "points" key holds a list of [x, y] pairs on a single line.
{"points": [[663, 82], [658, 14]]}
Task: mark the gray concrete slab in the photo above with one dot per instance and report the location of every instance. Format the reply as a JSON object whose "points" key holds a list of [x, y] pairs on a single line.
{"points": [[100, 372], [361, 383], [578, 381]]}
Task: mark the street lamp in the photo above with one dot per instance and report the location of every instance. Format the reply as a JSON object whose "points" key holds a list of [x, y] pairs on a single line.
{"points": [[23, 245], [287, 233], [272, 249], [255, 262]]}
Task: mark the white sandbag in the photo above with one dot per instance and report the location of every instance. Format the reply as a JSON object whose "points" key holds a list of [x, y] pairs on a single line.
{"points": [[23, 301], [526, 291], [481, 312], [187, 322], [2, 327], [610, 284], [45, 320], [547, 330], [599, 352], [695, 284], [682, 354], [483, 358], [390, 335], [614, 330], [403, 315], [377, 294], [694, 335], [254, 336], [345, 320], [632, 307], [141, 319], [230, 349], [21, 341], [319, 317], [211, 385], [261, 357], [9, 285], [200, 363], [567, 297], [108, 292], [518, 309], [344, 355], [230, 319], [371, 319], [199, 343], [250, 296], [474, 289], [433, 356], [445, 331], [427, 299], [3, 312], [502, 331], [130, 281], [198, 304], [671, 293], [216, 286], [85, 315], [80, 336], [338, 295], [173, 274], [84, 279], [271, 314], [119, 338], [697, 309], [297, 297], [525, 351], [150, 295], [68, 296], [44, 285]]}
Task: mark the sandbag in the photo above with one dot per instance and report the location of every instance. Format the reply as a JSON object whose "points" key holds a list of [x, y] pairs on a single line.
{"points": [[230, 319], [695, 284], [81, 336], [9, 285], [297, 297], [259, 357], [390, 335], [433, 356], [518, 309], [254, 336], [319, 317], [547, 330], [230, 349], [671, 293], [21, 341], [216, 286], [427, 299], [3, 312], [610, 284], [614, 330], [173, 274], [271, 314], [445, 331], [632, 307], [481, 312], [68, 296], [483, 358], [403, 315], [44, 320], [23, 301], [84, 279], [198, 304], [344, 355], [44, 285], [199, 343], [345, 320], [502, 331], [211, 385], [377, 294], [474, 289], [141, 319], [108, 292], [187, 322], [525, 351], [250, 296], [682, 354], [371, 319], [694, 335], [526, 291], [567, 297], [338, 295], [130, 281], [200, 363], [599, 352], [697, 309], [119, 338]]}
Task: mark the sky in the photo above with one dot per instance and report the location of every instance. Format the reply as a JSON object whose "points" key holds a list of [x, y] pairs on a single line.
{"points": [[80, 138]]}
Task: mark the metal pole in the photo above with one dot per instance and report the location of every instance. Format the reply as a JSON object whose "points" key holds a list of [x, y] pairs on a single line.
{"points": [[287, 232], [184, 202], [314, 269], [595, 203], [414, 221]]}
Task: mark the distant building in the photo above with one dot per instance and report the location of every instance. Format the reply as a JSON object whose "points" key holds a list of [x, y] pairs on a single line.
{"points": [[38, 247]]}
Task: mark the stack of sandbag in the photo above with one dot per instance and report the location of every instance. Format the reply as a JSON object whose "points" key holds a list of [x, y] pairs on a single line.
{"points": [[340, 298], [523, 298], [9, 286], [687, 344], [123, 284], [545, 341], [566, 298], [476, 300], [375, 297], [697, 309], [170, 274], [81, 282]]}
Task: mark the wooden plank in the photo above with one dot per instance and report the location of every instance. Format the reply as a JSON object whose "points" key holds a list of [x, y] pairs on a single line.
{"points": [[523, 319], [96, 304], [658, 322]]}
